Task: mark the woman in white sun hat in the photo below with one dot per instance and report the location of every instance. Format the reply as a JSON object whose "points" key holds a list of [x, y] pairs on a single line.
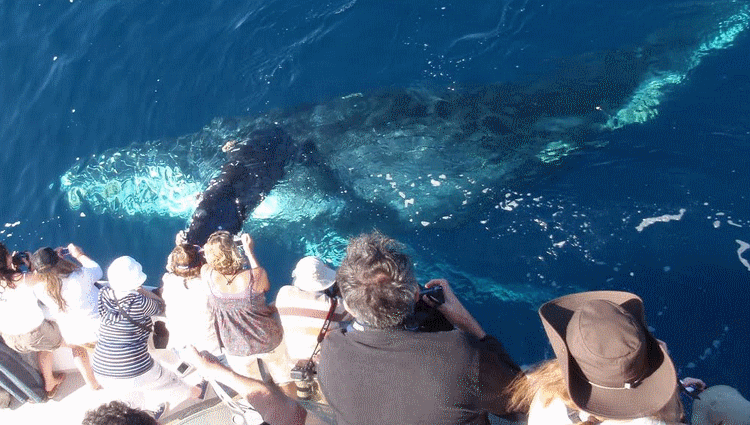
{"points": [[121, 357], [304, 305]]}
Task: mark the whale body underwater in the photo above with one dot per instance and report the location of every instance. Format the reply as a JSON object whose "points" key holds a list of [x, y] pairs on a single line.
{"points": [[398, 158]]}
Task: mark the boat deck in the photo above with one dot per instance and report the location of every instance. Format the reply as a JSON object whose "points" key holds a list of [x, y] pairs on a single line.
{"points": [[74, 399]]}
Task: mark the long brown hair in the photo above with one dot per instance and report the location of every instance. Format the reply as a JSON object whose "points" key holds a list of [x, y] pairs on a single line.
{"points": [[221, 253], [546, 379], [52, 269]]}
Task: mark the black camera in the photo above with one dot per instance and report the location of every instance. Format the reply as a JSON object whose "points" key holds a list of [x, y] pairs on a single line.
{"points": [[304, 370], [427, 318], [303, 374], [434, 294]]}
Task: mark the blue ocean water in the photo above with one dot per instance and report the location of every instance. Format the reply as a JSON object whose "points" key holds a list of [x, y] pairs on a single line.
{"points": [[88, 83]]}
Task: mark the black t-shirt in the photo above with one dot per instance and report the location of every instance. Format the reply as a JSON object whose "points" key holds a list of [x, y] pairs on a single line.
{"points": [[402, 377]]}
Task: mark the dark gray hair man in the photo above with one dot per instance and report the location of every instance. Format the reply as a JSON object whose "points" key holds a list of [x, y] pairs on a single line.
{"points": [[450, 377], [377, 281]]}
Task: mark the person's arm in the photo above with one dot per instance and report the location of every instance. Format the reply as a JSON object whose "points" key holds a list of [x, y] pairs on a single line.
{"points": [[260, 277], [496, 368], [94, 271], [274, 406], [153, 304], [454, 311], [180, 238]]}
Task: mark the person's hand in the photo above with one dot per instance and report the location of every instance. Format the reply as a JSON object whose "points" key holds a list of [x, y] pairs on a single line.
{"points": [[247, 242], [180, 238], [452, 305], [695, 383], [74, 250], [208, 366], [453, 310], [21, 260]]}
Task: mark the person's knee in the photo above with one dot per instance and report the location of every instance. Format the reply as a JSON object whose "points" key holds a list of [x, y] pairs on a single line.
{"points": [[79, 352], [721, 404]]}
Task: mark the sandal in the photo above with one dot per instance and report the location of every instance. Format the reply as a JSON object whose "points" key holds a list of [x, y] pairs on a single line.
{"points": [[53, 392]]}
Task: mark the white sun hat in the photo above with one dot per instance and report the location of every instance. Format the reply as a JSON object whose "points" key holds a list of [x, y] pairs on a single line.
{"points": [[125, 275], [313, 275]]}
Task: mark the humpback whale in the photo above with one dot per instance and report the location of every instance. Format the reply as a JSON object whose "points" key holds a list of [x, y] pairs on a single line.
{"points": [[415, 156]]}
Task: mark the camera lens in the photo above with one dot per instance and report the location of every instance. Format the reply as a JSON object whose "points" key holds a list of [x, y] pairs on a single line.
{"points": [[304, 389]]}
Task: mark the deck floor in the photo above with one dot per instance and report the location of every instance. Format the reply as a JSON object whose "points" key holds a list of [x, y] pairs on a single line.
{"points": [[74, 399]]}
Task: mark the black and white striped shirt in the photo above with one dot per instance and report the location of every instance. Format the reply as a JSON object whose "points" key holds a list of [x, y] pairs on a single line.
{"points": [[122, 348]]}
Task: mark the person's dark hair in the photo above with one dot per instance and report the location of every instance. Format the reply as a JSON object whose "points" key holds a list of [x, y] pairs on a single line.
{"points": [[7, 275], [377, 281], [117, 413]]}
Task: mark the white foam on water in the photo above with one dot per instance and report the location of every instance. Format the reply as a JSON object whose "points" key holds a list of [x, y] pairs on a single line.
{"points": [[744, 246], [660, 219]]}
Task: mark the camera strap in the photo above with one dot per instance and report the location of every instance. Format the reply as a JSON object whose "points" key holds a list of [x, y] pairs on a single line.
{"points": [[148, 328], [323, 331]]}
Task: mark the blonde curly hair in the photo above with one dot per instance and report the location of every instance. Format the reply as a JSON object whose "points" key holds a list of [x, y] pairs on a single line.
{"points": [[222, 254]]}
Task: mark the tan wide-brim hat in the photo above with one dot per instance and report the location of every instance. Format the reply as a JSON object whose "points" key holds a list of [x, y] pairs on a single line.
{"points": [[613, 367], [721, 405], [313, 275]]}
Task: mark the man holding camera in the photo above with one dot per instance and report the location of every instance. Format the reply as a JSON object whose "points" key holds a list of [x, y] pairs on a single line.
{"points": [[380, 372]]}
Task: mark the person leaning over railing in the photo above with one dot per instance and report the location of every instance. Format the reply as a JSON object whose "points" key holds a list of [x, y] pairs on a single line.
{"points": [[121, 357], [382, 372], [305, 304], [249, 330], [188, 313], [67, 290], [609, 368], [22, 322]]}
